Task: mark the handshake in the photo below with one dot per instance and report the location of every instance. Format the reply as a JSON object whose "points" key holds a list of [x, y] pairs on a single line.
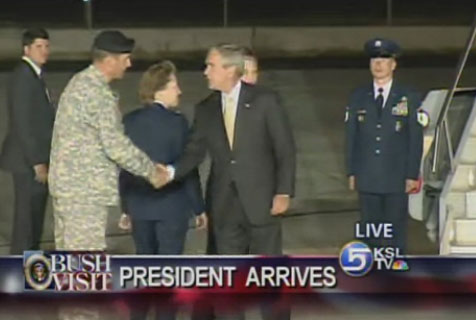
{"points": [[160, 176]]}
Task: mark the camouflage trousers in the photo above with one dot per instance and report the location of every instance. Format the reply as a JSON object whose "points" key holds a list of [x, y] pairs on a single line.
{"points": [[79, 226]]}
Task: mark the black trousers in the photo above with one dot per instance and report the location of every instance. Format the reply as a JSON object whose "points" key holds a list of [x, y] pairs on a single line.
{"points": [[204, 309], [157, 237], [232, 233], [386, 208], [29, 212]]}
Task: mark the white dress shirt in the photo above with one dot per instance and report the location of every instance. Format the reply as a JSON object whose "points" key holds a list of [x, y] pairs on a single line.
{"points": [[33, 65], [386, 91]]}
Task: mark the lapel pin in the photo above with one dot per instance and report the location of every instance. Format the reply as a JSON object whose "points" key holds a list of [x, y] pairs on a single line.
{"points": [[247, 105]]}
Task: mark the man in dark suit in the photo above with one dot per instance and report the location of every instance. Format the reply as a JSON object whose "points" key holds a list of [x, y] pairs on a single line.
{"points": [[246, 131], [384, 143], [251, 71], [26, 149], [250, 76], [204, 311]]}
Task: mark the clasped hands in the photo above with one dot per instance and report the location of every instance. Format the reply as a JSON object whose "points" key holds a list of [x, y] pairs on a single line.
{"points": [[160, 176]]}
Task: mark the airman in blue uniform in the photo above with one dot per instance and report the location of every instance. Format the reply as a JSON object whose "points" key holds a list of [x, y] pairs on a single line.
{"points": [[384, 143]]}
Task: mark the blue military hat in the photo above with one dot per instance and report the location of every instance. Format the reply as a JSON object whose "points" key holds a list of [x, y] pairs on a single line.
{"points": [[113, 41], [383, 48]]}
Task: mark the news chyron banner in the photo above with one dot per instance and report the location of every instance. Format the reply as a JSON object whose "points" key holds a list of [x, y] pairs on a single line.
{"points": [[359, 268]]}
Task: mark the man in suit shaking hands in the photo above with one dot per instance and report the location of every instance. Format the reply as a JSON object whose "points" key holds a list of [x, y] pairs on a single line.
{"points": [[26, 149], [247, 133]]}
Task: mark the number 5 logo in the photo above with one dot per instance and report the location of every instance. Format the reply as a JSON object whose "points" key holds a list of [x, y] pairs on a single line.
{"points": [[356, 259]]}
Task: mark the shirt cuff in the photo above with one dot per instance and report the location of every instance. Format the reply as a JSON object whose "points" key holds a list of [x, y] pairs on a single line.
{"points": [[171, 171]]}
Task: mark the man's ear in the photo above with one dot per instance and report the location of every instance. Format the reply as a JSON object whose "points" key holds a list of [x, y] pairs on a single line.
{"points": [[394, 64], [109, 59], [232, 71]]}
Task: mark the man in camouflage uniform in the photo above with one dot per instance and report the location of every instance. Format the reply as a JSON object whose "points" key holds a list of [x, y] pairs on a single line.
{"points": [[88, 147]]}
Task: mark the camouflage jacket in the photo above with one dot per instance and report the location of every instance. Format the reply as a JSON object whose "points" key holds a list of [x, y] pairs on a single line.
{"points": [[89, 144]]}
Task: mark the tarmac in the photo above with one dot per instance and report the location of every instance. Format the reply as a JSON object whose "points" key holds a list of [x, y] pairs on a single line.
{"points": [[323, 211], [315, 101]]}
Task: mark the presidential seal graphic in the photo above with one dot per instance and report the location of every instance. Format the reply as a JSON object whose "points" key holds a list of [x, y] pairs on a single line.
{"points": [[37, 270]]}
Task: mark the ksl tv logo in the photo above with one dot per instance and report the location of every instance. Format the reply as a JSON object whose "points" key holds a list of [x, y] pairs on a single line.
{"points": [[357, 259]]}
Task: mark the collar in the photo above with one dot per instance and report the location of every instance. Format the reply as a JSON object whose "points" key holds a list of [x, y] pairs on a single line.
{"points": [[234, 93], [386, 88], [98, 74], [160, 103], [35, 67]]}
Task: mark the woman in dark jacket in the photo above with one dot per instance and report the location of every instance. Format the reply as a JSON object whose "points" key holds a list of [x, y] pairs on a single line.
{"points": [[159, 218]]}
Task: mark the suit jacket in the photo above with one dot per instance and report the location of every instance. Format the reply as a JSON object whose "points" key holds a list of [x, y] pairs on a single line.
{"points": [[383, 152], [30, 118], [161, 134], [262, 162]]}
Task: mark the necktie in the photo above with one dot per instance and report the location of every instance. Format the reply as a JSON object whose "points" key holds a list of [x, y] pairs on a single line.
{"points": [[40, 76], [229, 119], [379, 102]]}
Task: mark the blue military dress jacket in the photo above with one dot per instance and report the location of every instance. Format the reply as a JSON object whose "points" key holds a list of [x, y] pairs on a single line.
{"points": [[161, 133], [382, 152]]}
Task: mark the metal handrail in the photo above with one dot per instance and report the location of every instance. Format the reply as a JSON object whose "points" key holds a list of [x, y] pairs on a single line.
{"points": [[442, 118]]}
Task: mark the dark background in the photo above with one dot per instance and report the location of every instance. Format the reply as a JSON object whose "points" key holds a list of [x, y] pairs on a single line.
{"points": [[209, 13]]}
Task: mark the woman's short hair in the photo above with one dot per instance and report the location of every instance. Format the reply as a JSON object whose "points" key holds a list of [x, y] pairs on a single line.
{"points": [[154, 79]]}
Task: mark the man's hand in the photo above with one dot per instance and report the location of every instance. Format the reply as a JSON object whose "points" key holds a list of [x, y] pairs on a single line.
{"points": [[352, 183], [280, 204], [125, 222], [411, 185], [41, 173], [160, 177], [201, 221]]}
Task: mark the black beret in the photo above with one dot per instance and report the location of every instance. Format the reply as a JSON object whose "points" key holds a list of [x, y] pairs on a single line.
{"points": [[113, 41], [383, 48]]}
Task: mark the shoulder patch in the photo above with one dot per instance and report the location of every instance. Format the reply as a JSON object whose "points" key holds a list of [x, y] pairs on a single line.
{"points": [[423, 118]]}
